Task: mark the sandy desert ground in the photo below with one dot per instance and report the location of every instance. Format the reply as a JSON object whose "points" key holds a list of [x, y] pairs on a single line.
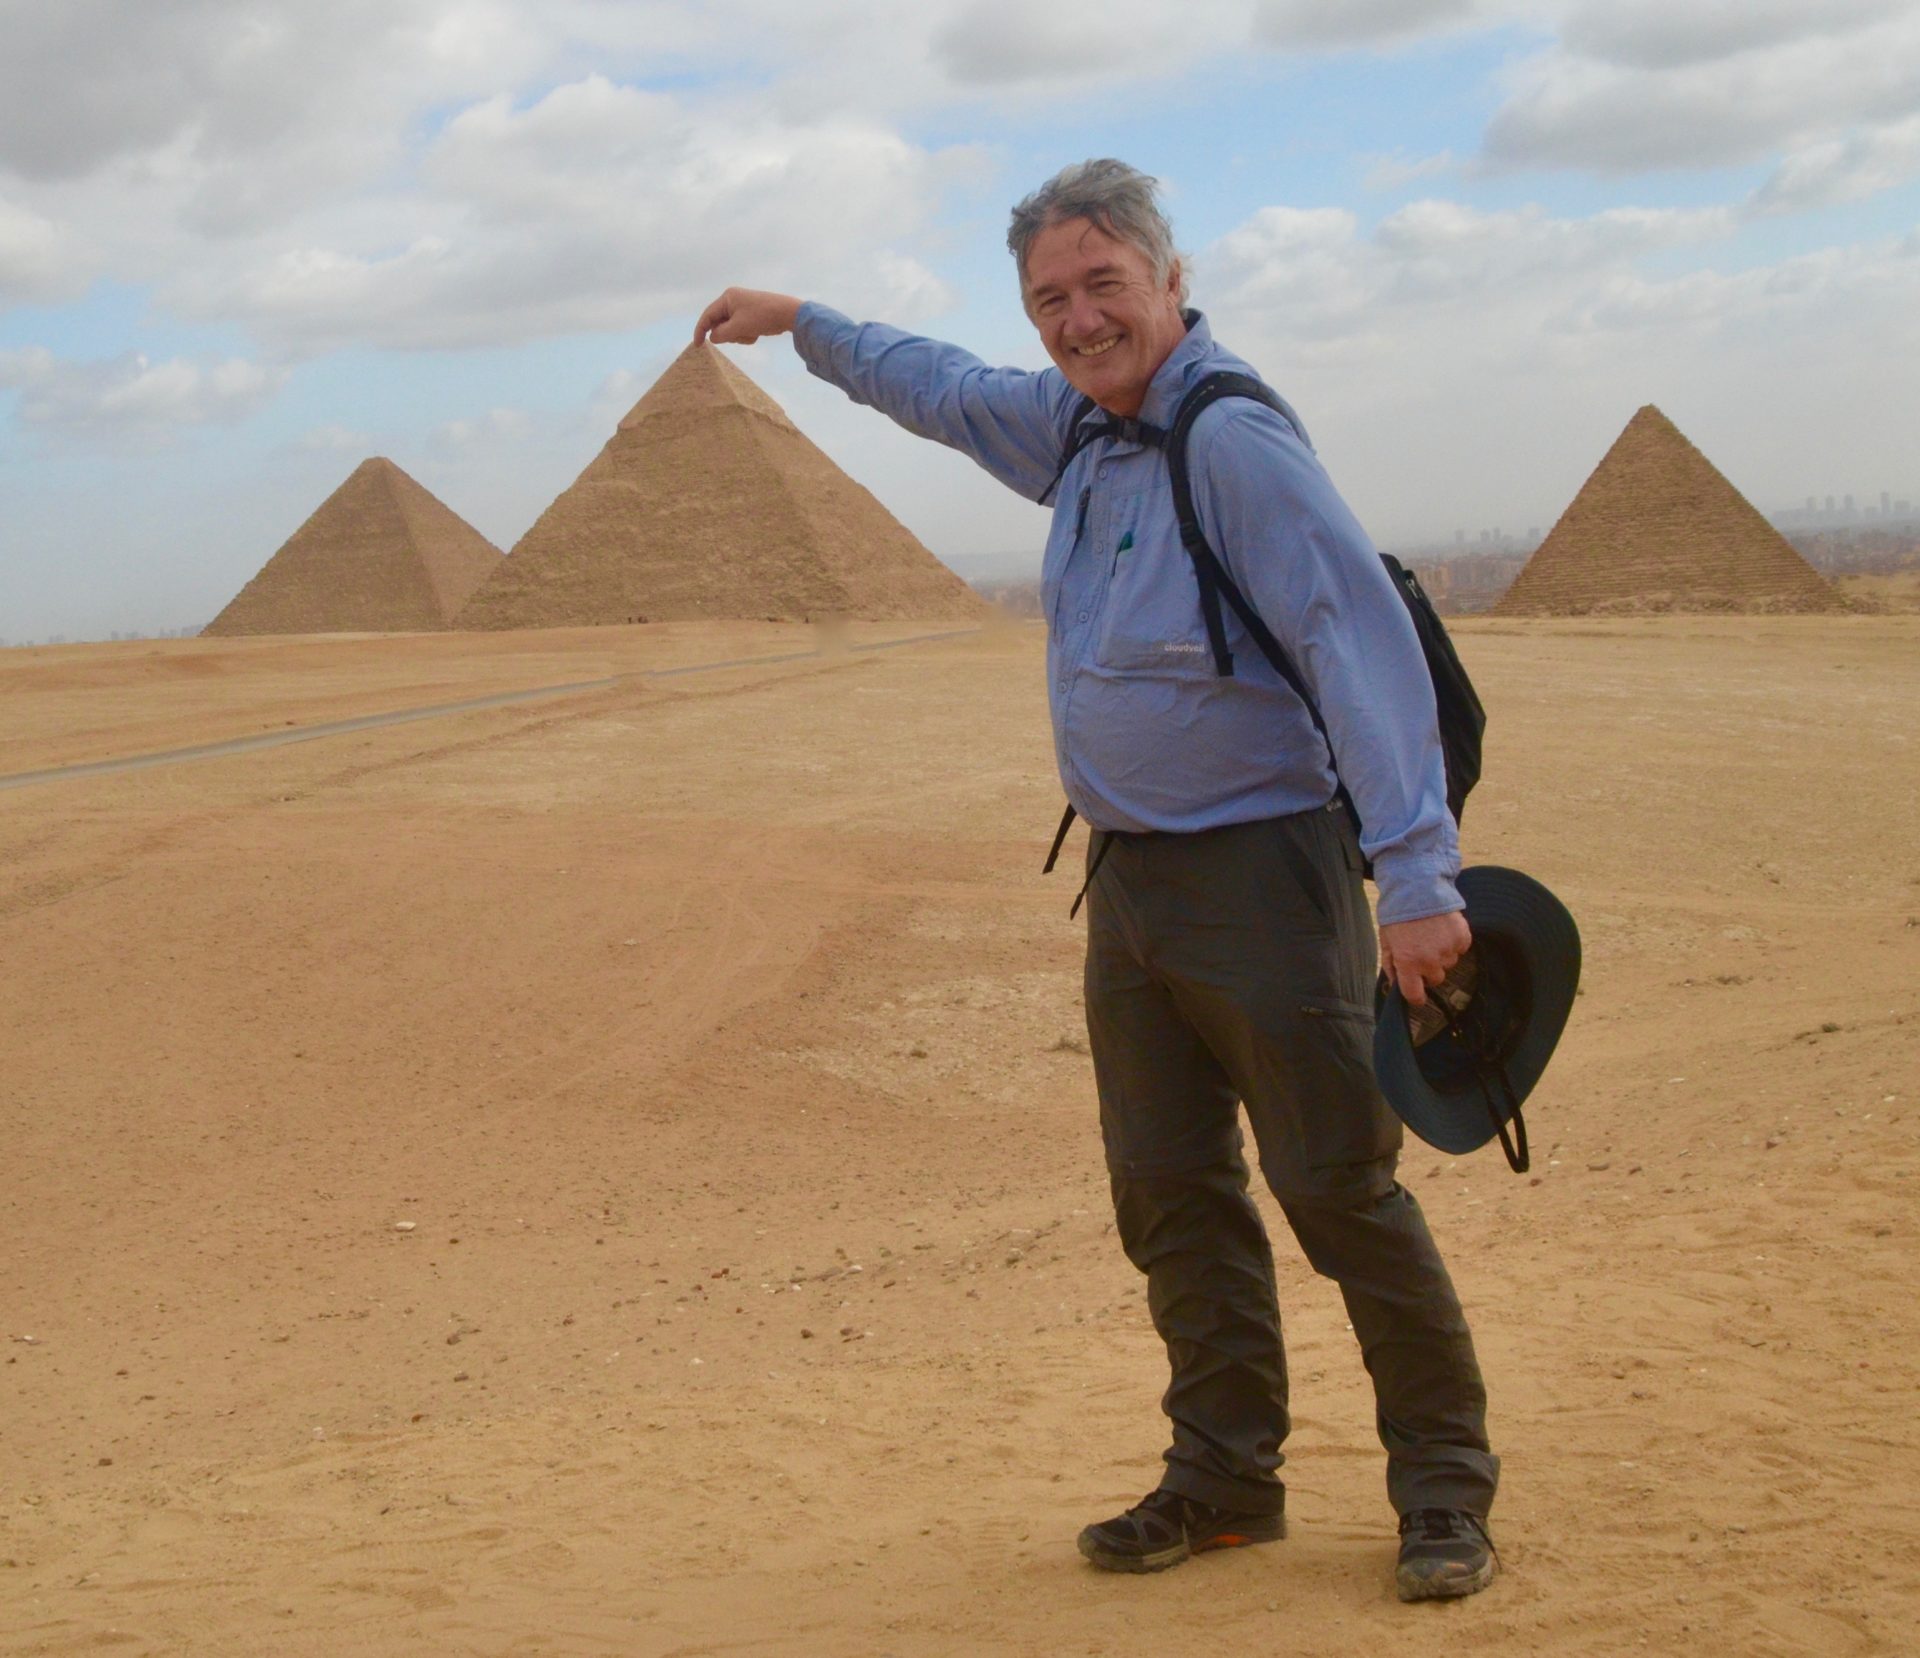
{"points": [[618, 1174]]}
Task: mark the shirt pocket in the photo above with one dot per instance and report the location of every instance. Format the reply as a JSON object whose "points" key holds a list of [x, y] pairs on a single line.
{"points": [[1150, 622]]}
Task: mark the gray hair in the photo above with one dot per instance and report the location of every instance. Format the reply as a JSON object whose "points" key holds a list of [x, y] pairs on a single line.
{"points": [[1114, 198]]}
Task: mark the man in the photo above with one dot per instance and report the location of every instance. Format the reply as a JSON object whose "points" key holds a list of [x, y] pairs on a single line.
{"points": [[1230, 956]]}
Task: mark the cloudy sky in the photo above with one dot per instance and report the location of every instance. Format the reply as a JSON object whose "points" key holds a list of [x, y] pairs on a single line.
{"points": [[246, 243]]}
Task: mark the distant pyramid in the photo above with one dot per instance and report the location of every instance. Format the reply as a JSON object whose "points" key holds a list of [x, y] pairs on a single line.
{"points": [[380, 555], [708, 502], [1657, 528]]}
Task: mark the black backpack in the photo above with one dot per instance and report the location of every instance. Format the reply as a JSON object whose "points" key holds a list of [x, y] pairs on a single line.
{"points": [[1462, 719]]}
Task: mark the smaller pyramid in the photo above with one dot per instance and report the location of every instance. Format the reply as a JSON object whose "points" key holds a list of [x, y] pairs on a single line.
{"points": [[1657, 527], [379, 555], [708, 502]]}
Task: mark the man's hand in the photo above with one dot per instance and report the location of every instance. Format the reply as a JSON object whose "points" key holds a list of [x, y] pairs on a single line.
{"points": [[742, 315], [1415, 954]]}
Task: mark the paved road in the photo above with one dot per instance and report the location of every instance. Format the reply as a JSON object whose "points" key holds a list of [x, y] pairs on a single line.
{"points": [[401, 716]]}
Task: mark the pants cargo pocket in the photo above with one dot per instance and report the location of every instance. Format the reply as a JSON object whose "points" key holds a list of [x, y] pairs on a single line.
{"points": [[1350, 1123]]}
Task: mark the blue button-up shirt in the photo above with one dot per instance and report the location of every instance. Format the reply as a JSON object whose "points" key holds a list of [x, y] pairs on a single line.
{"points": [[1147, 735]]}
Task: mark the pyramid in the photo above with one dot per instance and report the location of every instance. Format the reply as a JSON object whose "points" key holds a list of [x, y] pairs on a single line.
{"points": [[1658, 528], [380, 555], [707, 501]]}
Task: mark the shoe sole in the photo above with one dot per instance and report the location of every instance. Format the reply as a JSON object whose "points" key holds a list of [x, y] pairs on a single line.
{"points": [[1412, 1585], [1108, 1561]]}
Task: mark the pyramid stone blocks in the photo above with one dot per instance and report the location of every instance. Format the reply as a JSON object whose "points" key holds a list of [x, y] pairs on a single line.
{"points": [[1658, 528], [379, 555], [707, 502]]}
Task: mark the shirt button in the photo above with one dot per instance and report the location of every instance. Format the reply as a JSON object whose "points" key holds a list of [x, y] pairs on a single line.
{"points": [[1103, 469], [1083, 615], [1059, 684]]}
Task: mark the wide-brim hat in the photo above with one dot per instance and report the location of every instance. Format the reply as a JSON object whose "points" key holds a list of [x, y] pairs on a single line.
{"points": [[1458, 1070]]}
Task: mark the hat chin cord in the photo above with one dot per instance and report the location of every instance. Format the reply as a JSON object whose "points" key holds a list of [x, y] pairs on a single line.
{"points": [[1518, 1157], [1489, 1065]]}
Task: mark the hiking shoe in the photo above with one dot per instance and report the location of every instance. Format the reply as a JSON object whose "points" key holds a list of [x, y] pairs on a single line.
{"points": [[1444, 1552], [1163, 1528]]}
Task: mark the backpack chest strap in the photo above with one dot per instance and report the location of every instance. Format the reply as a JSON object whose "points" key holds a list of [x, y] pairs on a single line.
{"points": [[1123, 428]]}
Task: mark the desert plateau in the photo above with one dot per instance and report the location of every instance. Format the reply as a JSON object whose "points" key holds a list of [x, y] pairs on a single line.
{"points": [[617, 1172]]}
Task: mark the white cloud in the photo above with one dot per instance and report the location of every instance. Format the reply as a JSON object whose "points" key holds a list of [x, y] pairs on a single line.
{"points": [[990, 43], [615, 396], [1296, 263], [494, 426], [601, 206], [330, 439], [1643, 85], [912, 293], [446, 173], [87, 82], [1392, 172], [1349, 23], [1455, 364], [259, 103], [1843, 169], [1663, 34], [35, 262], [1313, 277], [132, 397]]}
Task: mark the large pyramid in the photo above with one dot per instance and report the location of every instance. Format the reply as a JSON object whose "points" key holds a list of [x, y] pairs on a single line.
{"points": [[708, 502], [1657, 528], [380, 555]]}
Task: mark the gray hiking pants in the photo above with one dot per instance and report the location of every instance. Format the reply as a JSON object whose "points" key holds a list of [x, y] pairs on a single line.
{"points": [[1237, 965]]}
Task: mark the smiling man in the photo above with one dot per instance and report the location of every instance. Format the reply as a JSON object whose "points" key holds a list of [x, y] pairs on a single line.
{"points": [[1230, 955]]}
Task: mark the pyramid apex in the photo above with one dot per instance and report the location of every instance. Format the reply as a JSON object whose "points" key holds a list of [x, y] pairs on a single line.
{"points": [[376, 469], [702, 378]]}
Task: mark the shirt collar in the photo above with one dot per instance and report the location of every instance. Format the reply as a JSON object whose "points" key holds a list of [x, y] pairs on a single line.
{"points": [[1171, 379]]}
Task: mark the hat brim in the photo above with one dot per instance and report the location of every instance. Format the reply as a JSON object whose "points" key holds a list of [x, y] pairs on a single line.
{"points": [[1536, 932]]}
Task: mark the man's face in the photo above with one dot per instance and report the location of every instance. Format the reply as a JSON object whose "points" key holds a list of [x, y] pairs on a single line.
{"points": [[1104, 320]]}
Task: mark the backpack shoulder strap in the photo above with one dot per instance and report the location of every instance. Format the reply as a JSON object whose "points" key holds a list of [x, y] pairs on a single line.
{"points": [[1215, 583], [1079, 435]]}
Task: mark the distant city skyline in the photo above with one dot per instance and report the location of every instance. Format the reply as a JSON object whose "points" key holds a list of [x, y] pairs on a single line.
{"points": [[1841, 508]]}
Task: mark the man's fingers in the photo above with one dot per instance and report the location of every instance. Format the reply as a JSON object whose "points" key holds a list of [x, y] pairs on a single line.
{"points": [[1416, 975], [719, 323], [1413, 987], [1415, 954], [714, 315], [1410, 984]]}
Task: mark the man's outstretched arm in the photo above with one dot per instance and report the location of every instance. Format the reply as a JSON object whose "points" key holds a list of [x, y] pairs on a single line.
{"points": [[1007, 420]]}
